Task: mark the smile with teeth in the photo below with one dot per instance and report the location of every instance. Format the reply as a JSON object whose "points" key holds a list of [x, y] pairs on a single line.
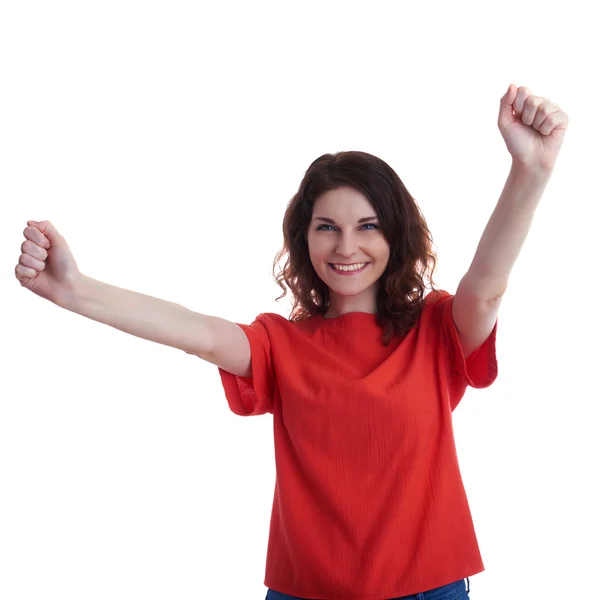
{"points": [[349, 268]]}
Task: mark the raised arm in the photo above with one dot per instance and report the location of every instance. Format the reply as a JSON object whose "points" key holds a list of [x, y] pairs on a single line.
{"points": [[47, 268], [533, 129]]}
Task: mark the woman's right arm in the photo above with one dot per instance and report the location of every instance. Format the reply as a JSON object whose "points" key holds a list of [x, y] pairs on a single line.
{"points": [[213, 339], [47, 268]]}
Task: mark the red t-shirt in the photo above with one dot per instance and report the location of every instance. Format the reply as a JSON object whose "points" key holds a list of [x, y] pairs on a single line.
{"points": [[369, 502]]}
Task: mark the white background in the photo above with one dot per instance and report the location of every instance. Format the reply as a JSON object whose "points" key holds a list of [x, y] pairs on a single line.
{"points": [[164, 140]]}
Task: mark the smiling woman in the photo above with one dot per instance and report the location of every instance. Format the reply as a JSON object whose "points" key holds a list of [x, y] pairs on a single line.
{"points": [[362, 378], [371, 218]]}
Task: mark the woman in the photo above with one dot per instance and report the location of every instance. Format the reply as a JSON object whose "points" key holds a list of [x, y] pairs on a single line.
{"points": [[363, 377]]}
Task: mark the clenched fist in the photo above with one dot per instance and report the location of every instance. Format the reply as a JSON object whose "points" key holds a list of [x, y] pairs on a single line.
{"points": [[46, 265]]}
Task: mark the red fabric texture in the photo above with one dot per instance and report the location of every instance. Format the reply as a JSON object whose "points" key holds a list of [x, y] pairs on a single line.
{"points": [[369, 502]]}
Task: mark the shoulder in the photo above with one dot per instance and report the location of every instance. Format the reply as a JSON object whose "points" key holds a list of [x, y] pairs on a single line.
{"points": [[280, 320], [275, 323], [434, 297], [435, 302], [270, 319], [435, 306]]}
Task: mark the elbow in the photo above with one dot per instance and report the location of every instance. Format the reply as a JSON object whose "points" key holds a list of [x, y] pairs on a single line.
{"points": [[483, 287]]}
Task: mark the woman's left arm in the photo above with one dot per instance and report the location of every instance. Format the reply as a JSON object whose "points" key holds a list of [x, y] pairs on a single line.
{"points": [[533, 129]]}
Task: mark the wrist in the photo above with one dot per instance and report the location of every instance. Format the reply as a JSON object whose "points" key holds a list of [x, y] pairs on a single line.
{"points": [[72, 292], [532, 170]]}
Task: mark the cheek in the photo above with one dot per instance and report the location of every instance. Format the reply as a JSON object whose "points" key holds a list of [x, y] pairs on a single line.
{"points": [[384, 249], [316, 247], [314, 255]]}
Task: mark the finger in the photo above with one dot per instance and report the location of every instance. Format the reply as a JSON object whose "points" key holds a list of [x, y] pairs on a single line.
{"points": [[530, 108], [29, 247], [509, 97], [505, 114], [522, 94], [33, 263], [50, 232], [36, 236], [544, 110], [22, 272], [557, 120]]}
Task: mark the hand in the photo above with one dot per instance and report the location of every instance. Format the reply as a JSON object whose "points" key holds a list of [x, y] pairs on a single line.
{"points": [[46, 265], [533, 128]]}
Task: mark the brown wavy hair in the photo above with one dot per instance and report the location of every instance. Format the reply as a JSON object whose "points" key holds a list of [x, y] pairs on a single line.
{"points": [[412, 262]]}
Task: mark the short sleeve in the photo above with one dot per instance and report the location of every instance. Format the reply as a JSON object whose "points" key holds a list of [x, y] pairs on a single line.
{"points": [[480, 369], [253, 395]]}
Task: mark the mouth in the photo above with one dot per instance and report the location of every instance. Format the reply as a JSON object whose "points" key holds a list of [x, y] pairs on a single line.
{"points": [[346, 270]]}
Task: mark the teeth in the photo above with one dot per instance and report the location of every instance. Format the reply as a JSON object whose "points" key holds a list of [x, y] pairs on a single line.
{"points": [[355, 267]]}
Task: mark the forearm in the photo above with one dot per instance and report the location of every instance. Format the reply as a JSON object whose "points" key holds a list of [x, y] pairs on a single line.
{"points": [[144, 316], [506, 232]]}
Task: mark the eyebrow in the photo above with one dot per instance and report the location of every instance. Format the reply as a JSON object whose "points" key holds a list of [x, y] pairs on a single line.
{"points": [[363, 220]]}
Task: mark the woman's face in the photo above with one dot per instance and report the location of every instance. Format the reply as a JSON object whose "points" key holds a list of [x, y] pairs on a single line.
{"points": [[345, 231]]}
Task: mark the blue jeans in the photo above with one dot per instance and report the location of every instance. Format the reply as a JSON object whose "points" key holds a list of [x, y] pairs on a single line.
{"points": [[453, 591]]}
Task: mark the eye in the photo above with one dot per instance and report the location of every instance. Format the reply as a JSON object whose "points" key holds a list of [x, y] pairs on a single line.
{"points": [[321, 227]]}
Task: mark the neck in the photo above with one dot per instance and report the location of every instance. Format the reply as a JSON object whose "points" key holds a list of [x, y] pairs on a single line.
{"points": [[341, 305]]}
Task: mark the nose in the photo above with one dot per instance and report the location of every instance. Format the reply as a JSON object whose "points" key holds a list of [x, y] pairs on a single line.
{"points": [[347, 245]]}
